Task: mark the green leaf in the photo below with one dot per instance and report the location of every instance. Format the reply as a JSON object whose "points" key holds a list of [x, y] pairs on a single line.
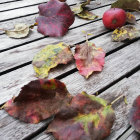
{"points": [[87, 117], [50, 57], [126, 32], [127, 5], [21, 30]]}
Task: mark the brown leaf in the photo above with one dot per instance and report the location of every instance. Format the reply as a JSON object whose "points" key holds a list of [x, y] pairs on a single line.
{"points": [[38, 100]]}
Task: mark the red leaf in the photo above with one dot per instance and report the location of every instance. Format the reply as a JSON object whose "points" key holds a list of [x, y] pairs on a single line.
{"points": [[89, 58], [134, 115], [38, 100], [55, 18], [86, 118]]}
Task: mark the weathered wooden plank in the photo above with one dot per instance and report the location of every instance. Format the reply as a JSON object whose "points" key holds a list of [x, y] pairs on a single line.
{"points": [[116, 66], [8, 1], [25, 53], [29, 19], [134, 136], [24, 3]]}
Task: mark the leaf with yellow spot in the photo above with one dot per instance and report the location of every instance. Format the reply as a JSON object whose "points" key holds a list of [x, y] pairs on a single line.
{"points": [[87, 117], [127, 32], [38, 100], [130, 18], [87, 15], [50, 57]]}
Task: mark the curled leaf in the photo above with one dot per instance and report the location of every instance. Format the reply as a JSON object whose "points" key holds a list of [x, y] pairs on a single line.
{"points": [[134, 115], [50, 57], [130, 18], [87, 15], [21, 30], [38, 100], [89, 58], [125, 32], [133, 5], [86, 118], [55, 18]]}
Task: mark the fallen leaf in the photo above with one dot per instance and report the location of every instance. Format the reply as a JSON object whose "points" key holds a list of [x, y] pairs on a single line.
{"points": [[130, 18], [133, 5], [21, 30], [89, 58], [50, 57], [134, 115], [124, 33], [38, 100], [86, 118], [87, 15], [55, 18]]}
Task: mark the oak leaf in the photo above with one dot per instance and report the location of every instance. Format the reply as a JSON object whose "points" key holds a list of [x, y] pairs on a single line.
{"points": [[50, 57], [38, 100], [86, 118], [55, 18], [89, 58]]}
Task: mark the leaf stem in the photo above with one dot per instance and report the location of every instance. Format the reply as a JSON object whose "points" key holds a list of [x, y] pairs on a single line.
{"points": [[118, 98], [32, 26]]}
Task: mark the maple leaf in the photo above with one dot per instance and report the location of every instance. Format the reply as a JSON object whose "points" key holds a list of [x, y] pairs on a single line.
{"points": [[87, 117], [134, 115], [127, 4], [50, 57], [55, 18], [38, 100], [130, 18], [21, 30], [124, 33], [89, 58]]}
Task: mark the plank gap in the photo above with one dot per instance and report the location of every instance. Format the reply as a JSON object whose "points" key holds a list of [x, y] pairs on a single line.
{"points": [[10, 1]]}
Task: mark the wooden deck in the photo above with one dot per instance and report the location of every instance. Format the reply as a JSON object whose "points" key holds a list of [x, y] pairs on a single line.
{"points": [[121, 73]]}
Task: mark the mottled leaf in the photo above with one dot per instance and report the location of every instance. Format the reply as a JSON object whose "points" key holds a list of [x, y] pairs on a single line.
{"points": [[134, 115], [55, 18], [86, 118], [38, 100], [130, 18], [124, 33], [21, 30], [87, 15], [127, 5], [89, 58], [50, 57], [78, 8]]}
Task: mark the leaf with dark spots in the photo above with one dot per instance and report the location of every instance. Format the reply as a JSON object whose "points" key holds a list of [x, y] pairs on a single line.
{"points": [[89, 58], [38, 100], [134, 115], [86, 118], [55, 18], [127, 32], [130, 18], [50, 57], [133, 5]]}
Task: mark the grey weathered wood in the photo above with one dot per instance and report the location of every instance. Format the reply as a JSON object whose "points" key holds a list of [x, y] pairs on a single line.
{"points": [[26, 52], [3, 1], [29, 19], [134, 136], [7, 42]]}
